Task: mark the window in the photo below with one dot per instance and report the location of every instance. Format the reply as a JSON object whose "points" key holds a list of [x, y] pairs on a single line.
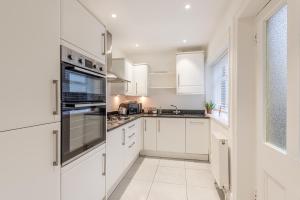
{"points": [[276, 78], [220, 85]]}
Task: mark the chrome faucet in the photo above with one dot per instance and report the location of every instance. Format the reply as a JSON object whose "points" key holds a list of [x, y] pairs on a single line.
{"points": [[176, 112]]}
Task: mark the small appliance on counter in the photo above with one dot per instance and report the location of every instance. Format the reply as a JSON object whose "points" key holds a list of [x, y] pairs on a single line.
{"points": [[130, 108]]}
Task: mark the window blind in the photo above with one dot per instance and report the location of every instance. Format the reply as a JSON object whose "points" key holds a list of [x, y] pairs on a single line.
{"points": [[220, 83]]}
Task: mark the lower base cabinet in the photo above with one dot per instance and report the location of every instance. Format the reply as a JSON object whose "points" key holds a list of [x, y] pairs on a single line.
{"points": [[123, 147], [84, 178], [197, 136], [30, 163], [171, 135]]}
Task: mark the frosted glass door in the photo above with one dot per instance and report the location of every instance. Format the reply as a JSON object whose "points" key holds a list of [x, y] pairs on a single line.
{"points": [[276, 78]]}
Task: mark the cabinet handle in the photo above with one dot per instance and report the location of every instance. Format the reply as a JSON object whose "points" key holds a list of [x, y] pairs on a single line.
{"points": [[130, 136], [123, 142], [131, 126], [136, 88], [145, 125], [178, 80], [104, 45], [104, 164], [127, 87], [158, 125], [55, 162], [194, 122], [55, 83], [131, 145]]}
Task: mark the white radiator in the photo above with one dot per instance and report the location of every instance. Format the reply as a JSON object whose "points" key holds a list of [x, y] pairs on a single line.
{"points": [[219, 160]]}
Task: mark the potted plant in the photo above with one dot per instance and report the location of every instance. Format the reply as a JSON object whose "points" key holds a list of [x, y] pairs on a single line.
{"points": [[209, 107]]}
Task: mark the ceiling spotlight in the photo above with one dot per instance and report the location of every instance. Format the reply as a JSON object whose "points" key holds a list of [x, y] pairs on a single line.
{"points": [[114, 16], [184, 41], [187, 6], [137, 45]]}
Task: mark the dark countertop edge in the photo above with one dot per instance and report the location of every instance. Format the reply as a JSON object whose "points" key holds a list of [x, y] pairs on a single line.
{"points": [[135, 117]]}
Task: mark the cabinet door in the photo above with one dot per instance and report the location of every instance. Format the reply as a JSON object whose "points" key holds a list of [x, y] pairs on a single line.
{"points": [[190, 73], [130, 85], [29, 63], [171, 135], [197, 136], [27, 167], [150, 134], [115, 157], [80, 28], [141, 79], [85, 178]]}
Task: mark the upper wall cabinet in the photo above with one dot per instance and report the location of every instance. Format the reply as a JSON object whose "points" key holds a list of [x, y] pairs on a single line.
{"points": [[80, 28], [30, 67], [136, 77], [140, 74], [190, 73]]}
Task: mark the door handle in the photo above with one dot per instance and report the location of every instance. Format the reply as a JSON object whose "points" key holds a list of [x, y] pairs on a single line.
{"points": [[55, 83], [104, 164], [55, 162], [104, 45]]}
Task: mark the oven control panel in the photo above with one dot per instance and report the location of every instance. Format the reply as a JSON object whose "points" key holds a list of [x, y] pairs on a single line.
{"points": [[72, 57]]}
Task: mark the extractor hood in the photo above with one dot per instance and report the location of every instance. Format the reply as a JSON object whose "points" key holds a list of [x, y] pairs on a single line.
{"points": [[111, 77]]}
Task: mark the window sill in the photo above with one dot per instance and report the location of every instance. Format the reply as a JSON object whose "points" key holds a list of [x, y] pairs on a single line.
{"points": [[223, 121]]}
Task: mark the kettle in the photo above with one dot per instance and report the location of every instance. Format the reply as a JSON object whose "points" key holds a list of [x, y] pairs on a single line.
{"points": [[122, 110]]}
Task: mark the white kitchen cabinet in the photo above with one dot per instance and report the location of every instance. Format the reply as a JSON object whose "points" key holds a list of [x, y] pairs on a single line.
{"points": [[140, 74], [171, 135], [84, 178], [190, 73], [150, 133], [197, 136], [115, 152], [30, 163], [81, 29], [30, 61]]}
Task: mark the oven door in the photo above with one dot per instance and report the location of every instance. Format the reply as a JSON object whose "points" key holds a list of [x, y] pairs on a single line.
{"points": [[82, 85], [83, 127]]}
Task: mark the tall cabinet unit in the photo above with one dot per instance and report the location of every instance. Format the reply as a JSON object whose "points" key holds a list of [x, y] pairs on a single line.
{"points": [[30, 163], [82, 30], [30, 63], [190, 73]]}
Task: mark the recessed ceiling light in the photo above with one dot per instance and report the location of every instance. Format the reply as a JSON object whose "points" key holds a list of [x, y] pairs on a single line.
{"points": [[187, 6], [114, 16], [184, 41], [137, 45]]}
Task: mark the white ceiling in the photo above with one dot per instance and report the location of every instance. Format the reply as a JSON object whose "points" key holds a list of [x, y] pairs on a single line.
{"points": [[158, 25]]}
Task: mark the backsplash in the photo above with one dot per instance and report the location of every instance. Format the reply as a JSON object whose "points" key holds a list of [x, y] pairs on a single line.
{"points": [[158, 98]]}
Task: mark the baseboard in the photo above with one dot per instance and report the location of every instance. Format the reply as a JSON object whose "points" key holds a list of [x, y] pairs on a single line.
{"points": [[175, 155]]}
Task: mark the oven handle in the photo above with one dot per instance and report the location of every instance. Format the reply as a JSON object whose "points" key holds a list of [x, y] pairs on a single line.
{"points": [[84, 105], [85, 71]]}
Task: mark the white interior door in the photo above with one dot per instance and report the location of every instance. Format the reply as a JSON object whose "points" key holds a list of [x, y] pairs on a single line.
{"points": [[278, 148]]}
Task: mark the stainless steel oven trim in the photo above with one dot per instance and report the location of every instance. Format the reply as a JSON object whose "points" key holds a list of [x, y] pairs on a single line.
{"points": [[86, 71], [83, 153], [82, 105]]}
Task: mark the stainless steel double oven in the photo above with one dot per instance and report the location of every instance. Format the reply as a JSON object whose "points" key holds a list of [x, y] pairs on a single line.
{"points": [[83, 97]]}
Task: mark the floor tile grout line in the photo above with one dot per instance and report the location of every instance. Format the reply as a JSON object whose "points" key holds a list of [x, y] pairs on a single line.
{"points": [[186, 185], [153, 180]]}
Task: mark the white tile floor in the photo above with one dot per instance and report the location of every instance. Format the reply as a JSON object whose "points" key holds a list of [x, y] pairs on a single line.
{"points": [[166, 179]]}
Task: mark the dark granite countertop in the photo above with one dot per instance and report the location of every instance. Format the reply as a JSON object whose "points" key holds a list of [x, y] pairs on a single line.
{"points": [[112, 126]]}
